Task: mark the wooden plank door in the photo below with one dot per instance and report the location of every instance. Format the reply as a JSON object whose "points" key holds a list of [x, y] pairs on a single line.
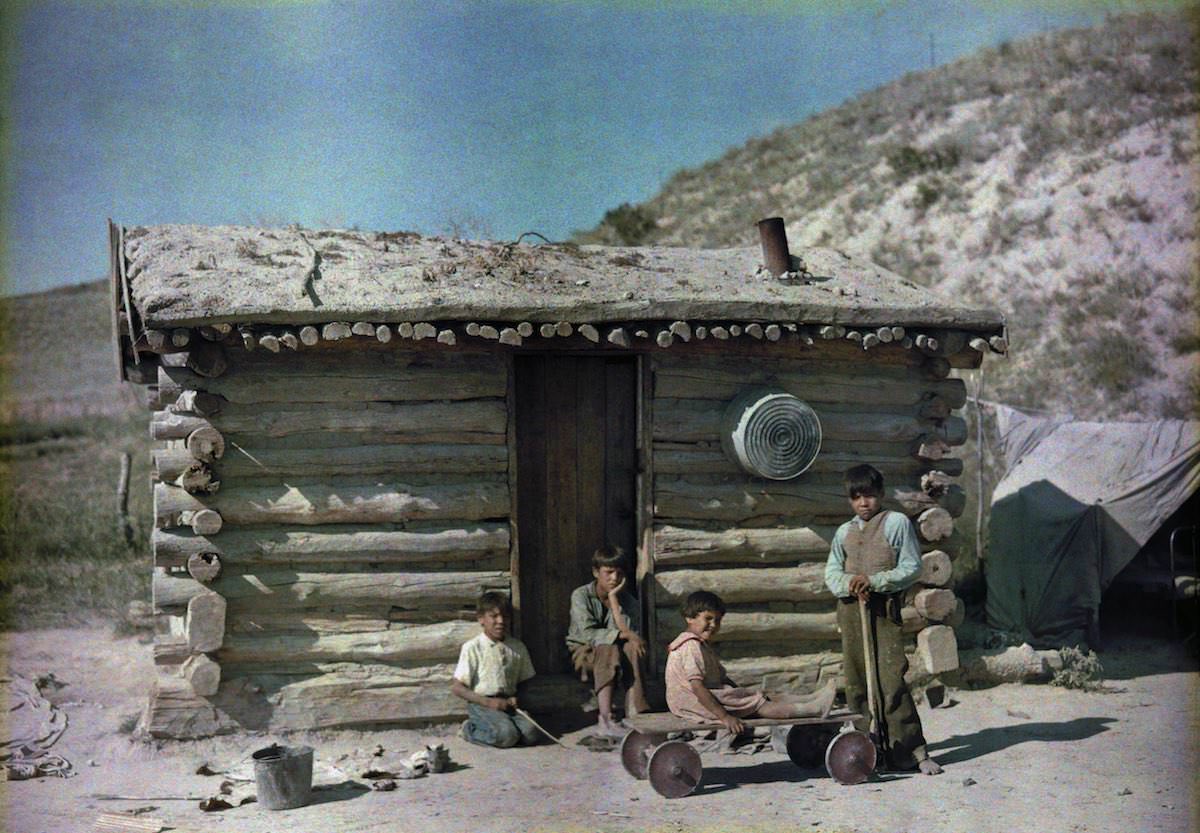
{"points": [[576, 485]]}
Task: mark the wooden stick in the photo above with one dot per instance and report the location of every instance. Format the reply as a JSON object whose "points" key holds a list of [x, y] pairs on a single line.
{"points": [[123, 522], [542, 729]]}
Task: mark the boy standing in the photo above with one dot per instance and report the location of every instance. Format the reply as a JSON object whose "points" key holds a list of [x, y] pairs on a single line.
{"points": [[491, 667], [875, 557], [603, 637]]}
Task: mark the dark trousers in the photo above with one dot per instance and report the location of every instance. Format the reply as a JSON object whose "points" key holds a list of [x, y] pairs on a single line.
{"points": [[900, 727]]}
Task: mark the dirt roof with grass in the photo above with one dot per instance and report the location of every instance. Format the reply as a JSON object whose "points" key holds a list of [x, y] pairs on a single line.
{"points": [[189, 275]]}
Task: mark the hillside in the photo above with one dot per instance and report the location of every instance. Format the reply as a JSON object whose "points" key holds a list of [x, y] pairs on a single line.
{"points": [[57, 357], [1054, 178]]}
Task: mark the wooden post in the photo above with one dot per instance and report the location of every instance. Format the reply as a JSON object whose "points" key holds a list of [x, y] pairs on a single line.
{"points": [[935, 603], [936, 569], [935, 524], [123, 524], [202, 673], [207, 359], [204, 567], [937, 649], [618, 336], [205, 444], [205, 622]]}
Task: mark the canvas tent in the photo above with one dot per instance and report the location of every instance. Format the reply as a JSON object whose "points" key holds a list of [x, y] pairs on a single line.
{"points": [[1078, 502]]}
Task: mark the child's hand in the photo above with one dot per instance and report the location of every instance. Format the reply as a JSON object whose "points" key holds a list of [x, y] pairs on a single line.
{"points": [[512, 702], [500, 704], [637, 643], [732, 724], [612, 594], [860, 586]]}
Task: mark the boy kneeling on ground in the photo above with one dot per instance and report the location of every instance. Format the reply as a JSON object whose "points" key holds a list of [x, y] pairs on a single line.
{"points": [[491, 668], [603, 637], [699, 689], [874, 557]]}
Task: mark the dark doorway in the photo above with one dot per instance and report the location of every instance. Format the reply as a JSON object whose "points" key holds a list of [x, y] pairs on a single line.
{"points": [[576, 430]]}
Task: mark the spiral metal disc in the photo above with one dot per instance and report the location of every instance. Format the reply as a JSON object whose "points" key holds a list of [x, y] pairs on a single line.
{"points": [[806, 744], [634, 754], [675, 769], [771, 434], [850, 758]]}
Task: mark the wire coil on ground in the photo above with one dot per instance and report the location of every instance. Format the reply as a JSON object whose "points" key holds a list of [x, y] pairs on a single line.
{"points": [[771, 434]]}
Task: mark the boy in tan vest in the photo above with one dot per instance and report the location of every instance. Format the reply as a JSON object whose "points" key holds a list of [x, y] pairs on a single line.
{"points": [[875, 557]]}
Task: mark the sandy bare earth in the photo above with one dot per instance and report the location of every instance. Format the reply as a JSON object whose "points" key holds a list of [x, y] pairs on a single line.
{"points": [[1018, 758]]}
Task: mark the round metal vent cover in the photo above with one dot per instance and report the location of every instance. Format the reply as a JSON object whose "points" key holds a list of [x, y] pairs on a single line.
{"points": [[771, 434]]}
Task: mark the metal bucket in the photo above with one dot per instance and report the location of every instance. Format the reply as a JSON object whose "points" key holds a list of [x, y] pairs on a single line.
{"points": [[283, 775]]}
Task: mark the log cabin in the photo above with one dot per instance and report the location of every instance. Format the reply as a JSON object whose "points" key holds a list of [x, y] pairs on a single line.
{"points": [[360, 432]]}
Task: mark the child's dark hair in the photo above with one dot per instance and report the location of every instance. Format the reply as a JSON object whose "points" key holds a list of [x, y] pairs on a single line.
{"points": [[493, 600], [609, 556], [700, 601], [863, 480]]}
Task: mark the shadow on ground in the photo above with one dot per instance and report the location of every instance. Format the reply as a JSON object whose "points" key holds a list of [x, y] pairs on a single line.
{"points": [[959, 748]]}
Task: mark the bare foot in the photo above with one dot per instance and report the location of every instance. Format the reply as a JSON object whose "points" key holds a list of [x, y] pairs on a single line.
{"points": [[930, 767], [635, 705], [606, 726], [825, 697]]}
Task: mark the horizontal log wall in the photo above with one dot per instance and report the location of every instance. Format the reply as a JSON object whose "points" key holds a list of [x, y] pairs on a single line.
{"points": [[761, 545], [347, 510]]}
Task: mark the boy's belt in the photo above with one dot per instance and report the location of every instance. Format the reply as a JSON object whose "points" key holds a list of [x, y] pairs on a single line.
{"points": [[883, 605]]}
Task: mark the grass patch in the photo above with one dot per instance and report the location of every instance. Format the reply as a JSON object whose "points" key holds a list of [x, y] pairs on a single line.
{"points": [[1080, 671], [63, 555]]}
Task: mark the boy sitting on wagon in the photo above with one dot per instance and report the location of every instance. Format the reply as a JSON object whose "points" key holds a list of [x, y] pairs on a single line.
{"points": [[603, 637], [699, 689]]}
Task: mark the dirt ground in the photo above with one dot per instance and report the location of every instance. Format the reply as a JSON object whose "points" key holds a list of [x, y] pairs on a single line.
{"points": [[1017, 758]]}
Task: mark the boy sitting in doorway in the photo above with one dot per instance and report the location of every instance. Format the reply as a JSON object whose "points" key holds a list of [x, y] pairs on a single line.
{"points": [[699, 689], [603, 637], [874, 557], [491, 668]]}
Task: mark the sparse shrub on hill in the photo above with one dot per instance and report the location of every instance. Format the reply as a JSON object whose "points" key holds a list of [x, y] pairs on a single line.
{"points": [[1002, 179]]}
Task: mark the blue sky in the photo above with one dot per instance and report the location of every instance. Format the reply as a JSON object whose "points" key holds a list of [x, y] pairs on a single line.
{"points": [[497, 117]]}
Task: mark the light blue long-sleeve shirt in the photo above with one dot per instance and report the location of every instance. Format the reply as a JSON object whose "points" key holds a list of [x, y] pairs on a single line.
{"points": [[899, 531]]}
